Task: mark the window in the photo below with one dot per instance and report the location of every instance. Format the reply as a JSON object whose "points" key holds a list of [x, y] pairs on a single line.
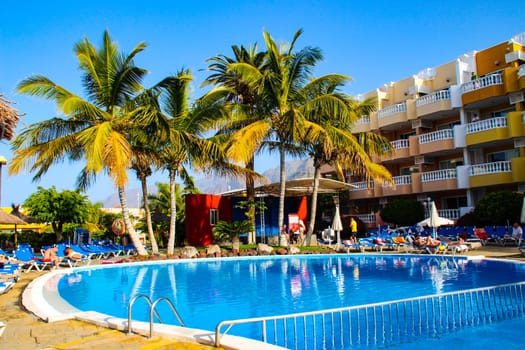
{"points": [[408, 170], [502, 156], [450, 163], [214, 216], [455, 202]]}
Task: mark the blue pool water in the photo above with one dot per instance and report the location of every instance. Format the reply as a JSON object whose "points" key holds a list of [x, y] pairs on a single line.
{"points": [[207, 291]]}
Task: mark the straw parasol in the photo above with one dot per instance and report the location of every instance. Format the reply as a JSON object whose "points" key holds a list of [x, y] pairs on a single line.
{"points": [[8, 219], [8, 119]]}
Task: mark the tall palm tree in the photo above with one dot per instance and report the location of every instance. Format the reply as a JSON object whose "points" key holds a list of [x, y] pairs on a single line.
{"points": [[95, 128], [338, 146], [282, 84], [186, 145], [244, 102]]}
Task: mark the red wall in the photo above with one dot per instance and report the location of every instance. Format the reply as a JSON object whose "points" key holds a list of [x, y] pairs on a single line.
{"points": [[198, 227]]}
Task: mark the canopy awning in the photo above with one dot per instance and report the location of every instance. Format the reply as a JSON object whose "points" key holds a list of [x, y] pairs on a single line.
{"points": [[296, 187]]}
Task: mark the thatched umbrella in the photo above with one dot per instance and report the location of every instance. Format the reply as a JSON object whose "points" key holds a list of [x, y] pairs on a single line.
{"points": [[8, 219], [28, 219], [8, 119]]}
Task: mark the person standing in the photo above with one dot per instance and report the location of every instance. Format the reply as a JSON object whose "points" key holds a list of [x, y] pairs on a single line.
{"points": [[353, 228]]}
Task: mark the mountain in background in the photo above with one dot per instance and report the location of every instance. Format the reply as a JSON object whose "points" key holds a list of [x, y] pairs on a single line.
{"points": [[214, 185]]}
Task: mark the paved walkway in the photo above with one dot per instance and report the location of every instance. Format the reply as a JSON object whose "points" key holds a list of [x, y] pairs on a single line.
{"points": [[26, 332]]}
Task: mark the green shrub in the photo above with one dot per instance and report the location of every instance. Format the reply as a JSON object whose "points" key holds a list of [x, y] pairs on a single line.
{"points": [[403, 212]]}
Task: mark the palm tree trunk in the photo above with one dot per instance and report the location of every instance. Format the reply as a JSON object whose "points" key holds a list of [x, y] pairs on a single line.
{"points": [[173, 212], [282, 188], [250, 196], [147, 212], [313, 208], [127, 222]]}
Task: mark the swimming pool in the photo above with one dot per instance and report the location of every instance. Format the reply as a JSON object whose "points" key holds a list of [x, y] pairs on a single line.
{"points": [[208, 291]]}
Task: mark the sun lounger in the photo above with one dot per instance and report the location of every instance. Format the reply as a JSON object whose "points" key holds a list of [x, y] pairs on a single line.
{"points": [[5, 286], [29, 261]]}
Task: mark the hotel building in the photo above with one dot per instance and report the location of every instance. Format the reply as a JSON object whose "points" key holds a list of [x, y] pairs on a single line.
{"points": [[457, 130]]}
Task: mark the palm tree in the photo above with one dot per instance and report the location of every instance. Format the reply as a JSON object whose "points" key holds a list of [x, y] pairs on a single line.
{"points": [[244, 104], [185, 145], [338, 146], [282, 84], [95, 129]]}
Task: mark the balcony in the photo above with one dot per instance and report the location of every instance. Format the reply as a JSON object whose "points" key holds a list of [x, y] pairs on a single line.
{"points": [[362, 191], [487, 130], [402, 186], [362, 124], [452, 214], [439, 180], [489, 174], [483, 88], [401, 150], [436, 141], [433, 103], [393, 114]]}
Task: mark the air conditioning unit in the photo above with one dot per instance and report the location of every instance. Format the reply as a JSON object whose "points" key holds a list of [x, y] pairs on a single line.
{"points": [[421, 123], [383, 201], [423, 160], [521, 187], [516, 97], [415, 89]]}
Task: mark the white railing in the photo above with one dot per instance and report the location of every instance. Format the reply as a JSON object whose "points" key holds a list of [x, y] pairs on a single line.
{"points": [[487, 124], [388, 324], [490, 168], [433, 98], [437, 175], [367, 218], [363, 120], [440, 135], [362, 185], [483, 82], [521, 71], [452, 214], [388, 111], [399, 181], [400, 144]]}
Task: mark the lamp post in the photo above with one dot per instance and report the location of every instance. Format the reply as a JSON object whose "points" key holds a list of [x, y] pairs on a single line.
{"points": [[3, 161]]}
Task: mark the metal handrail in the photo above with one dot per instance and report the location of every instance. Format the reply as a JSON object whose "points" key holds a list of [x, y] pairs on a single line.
{"points": [[373, 323], [152, 311]]}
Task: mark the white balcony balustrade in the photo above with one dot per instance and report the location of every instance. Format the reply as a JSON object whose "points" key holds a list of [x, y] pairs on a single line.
{"points": [[433, 98], [400, 144], [388, 111], [367, 218], [483, 82], [399, 181], [490, 168], [487, 124], [437, 175], [452, 214], [364, 120], [362, 186], [440, 135]]}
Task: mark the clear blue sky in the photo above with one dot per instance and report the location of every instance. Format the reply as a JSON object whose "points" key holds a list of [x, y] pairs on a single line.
{"points": [[373, 42]]}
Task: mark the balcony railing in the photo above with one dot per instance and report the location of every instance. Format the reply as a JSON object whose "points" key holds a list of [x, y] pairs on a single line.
{"points": [[367, 218], [433, 98], [487, 124], [483, 82], [437, 175], [399, 181], [388, 111], [363, 120], [490, 168], [400, 144], [362, 185], [452, 214], [440, 135]]}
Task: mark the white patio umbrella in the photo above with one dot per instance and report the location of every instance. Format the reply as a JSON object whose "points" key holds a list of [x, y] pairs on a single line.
{"points": [[434, 220], [337, 226]]}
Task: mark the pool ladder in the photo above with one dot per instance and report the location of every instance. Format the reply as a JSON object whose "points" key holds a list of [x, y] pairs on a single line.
{"points": [[152, 311]]}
